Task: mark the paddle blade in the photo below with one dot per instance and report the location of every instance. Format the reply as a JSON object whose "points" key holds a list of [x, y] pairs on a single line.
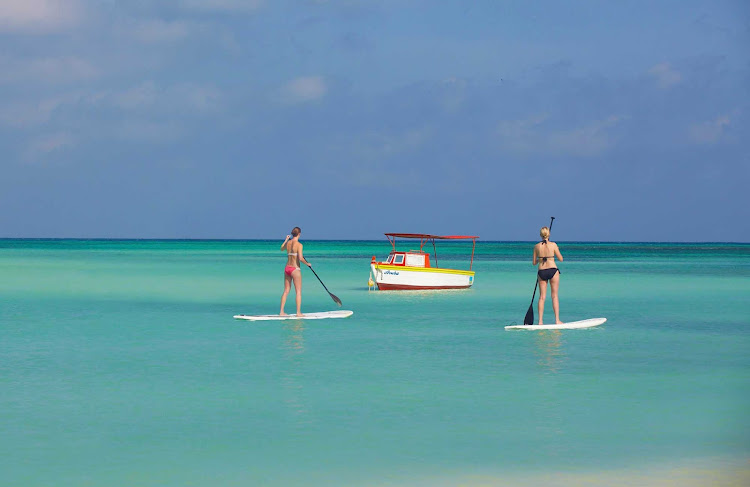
{"points": [[529, 319], [335, 299]]}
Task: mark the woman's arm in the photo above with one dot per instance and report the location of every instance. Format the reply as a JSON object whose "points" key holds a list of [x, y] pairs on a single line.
{"points": [[557, 253], [533, 260], [300, 257], [283, 246]]}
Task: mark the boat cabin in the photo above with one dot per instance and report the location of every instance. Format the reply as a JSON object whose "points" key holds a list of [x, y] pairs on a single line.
{"points": [[413, 258]]}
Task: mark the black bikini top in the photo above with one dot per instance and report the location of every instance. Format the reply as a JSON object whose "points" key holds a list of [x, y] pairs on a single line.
{"points": [[544, 259]]}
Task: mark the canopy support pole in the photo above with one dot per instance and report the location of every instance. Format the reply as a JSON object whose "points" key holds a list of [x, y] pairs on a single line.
{"points": [[473, 246], [392, 241]]}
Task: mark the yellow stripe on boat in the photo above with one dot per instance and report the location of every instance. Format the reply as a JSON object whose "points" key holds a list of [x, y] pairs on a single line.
{"points": [[423, 269]]}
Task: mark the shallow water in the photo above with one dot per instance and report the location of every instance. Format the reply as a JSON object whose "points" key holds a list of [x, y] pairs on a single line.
{"points": [[121, 364]]}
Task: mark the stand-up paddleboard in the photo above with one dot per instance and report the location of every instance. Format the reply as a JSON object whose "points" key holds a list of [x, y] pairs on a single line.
{"points": [[342, 313], [564, 326]]}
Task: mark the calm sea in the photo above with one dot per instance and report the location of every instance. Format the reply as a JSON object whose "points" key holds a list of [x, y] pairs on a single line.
{"points": [[120, 364]]}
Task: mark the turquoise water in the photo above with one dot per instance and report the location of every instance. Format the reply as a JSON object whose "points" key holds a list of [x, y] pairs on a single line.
{"points": [[121, 364]]}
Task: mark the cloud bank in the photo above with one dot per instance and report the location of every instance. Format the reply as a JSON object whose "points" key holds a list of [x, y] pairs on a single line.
{"points": [[39, 16]]}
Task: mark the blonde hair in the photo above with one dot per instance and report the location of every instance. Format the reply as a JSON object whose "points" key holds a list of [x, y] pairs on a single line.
{"points": [[544, 233]]}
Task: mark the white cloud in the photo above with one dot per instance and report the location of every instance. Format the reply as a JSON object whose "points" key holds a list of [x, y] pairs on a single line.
{"points": [[149, 131], [305, 89], [158, 114], [665, 75], [518, 129], [51, 70], [375, 152], [155, 30], [39, 16], [589, 140], [45, 144], [379, 145], [140, 96], [453, 93], [529, 137], [200, 98], [25, 114], [145, 99], [711, 131], [222, 5], [165, 100]]}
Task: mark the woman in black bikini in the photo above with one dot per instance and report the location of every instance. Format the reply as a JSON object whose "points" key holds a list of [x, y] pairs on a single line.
{"points": [[292, 272], [544, 255]]}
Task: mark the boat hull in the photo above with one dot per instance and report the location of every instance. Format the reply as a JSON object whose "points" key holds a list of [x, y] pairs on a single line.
{"points": [[392, 278]]}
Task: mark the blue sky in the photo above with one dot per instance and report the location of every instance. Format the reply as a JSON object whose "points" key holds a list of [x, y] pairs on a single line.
{"points": [[242, 119]]}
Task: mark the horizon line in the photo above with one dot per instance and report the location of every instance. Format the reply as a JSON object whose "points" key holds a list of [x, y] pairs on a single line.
{"points": [[151, 239]]}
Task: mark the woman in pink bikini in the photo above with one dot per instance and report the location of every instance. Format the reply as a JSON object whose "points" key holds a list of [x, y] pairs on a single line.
{"points": [[292, 271]]}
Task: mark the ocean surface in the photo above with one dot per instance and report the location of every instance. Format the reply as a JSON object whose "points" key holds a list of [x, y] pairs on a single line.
{"points": [[121, 365]]}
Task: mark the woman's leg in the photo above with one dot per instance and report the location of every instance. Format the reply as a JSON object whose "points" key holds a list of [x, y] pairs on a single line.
{"points": [[297, 276], [555, 285], [542, 297], [287, 287]]}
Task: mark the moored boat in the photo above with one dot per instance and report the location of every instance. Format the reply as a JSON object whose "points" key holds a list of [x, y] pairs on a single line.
{"points": [[415, 269]]}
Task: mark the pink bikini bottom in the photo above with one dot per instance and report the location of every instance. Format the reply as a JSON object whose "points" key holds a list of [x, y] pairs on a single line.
{"points": [[288, 270]]}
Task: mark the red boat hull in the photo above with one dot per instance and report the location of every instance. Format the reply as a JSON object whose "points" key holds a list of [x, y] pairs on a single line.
{"points": [[401, 287]]}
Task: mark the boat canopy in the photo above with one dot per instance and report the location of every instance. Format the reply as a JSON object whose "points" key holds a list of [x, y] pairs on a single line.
{"points": [[426, 237], [430, 237]]}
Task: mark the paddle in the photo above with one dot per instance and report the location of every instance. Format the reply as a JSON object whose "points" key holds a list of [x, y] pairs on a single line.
{"points": [[333, 296], [529, 319]]}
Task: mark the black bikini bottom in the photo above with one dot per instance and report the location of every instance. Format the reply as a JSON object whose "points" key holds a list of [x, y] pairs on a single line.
{"points": [[547, 274]]}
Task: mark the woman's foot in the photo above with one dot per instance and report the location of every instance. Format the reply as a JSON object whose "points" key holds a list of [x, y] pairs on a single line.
{"points": [[283, 314]]}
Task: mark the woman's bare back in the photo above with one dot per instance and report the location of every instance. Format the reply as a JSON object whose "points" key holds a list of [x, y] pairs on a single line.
{"points": [[293, 250], [545, 254]]}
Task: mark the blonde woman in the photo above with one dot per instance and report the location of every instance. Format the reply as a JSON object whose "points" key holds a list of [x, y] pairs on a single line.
{"points": [[292, 272], [545, 253]]}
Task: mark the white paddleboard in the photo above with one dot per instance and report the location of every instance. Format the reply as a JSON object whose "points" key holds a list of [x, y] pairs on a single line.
{"points": [[564, 326], [342, 313]]}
